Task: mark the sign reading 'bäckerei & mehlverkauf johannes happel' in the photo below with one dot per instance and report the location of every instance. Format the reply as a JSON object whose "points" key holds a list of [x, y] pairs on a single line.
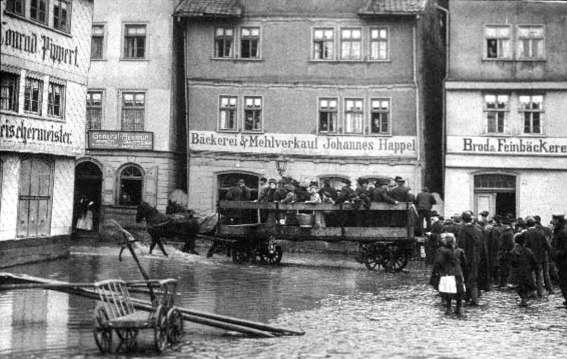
{"points": [[547, 146], [312, 145], [121, 140]]}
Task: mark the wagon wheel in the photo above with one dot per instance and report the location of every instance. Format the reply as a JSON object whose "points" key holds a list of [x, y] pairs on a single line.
{"points": [[160, 329], [174, 325], [272, 254], [396, 259], [374, 257], [102, 333], [239, 255], [127, 339]]}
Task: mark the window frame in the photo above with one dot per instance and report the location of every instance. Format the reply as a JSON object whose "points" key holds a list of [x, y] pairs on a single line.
{"points": [[388, 112], [222, 109], [525, 111], [505, 111], [14, 97], [347, 113], [37, 8], [498, 38], [315, 40], [243, 38], [343, 41], [51, 103], [372, 41], [11, 7], [90, 107], [123, 109], [102, 43], [519, 39], [125, 42], [261, 113], [224, 37], [39, 99], [67, 17], [321, 110], [120, 177]]}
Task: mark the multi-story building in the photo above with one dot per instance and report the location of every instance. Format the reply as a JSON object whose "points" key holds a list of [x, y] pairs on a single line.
{"points": [[45, 56], [133, 150], [330, 90], [506, 97]]}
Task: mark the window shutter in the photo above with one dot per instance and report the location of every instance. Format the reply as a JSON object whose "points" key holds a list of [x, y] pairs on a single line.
{"points": [[150, 186], [108, 185]]}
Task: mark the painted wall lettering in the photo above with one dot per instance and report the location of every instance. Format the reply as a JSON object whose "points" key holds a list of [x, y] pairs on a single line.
{"points": [[512, 146]]}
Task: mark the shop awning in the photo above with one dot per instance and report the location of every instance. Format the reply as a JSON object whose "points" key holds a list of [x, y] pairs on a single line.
{"points": [[392, 7], [209, 8]]}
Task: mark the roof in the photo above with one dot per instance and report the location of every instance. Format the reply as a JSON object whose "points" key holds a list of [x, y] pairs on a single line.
{"points": [[392, 7], [209, 8]]}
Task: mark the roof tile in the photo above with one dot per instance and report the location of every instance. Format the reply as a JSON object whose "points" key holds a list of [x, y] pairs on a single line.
{"points": [[209, 8]]}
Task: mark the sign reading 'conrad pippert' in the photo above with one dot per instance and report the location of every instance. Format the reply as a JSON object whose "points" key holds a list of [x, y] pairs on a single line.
{"points": [[507, 146], [122, 140], [313, 145]]}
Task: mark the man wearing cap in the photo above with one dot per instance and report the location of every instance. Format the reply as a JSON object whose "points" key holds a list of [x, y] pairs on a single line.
{"points": [[424, 203], [535, 240], [239, 192], [559, 251], [471, 241]]}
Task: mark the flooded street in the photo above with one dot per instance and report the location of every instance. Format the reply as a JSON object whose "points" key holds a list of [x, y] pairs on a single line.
{"points": [[345, 311]]}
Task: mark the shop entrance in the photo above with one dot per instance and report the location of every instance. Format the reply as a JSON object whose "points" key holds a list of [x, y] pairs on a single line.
{"points": [[225, 182], [495, 193], [87, 196]]}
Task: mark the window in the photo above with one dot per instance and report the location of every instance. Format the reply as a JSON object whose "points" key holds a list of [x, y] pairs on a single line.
{"points": [[10, 84], [530, 42], [323, 44], [378, 44], [227, 113], [496, 108], [531, 110], [61, 12], [97, 42], [34, 197], [130, 186], [16, 7], [94, 110], [38, 10], [55, 98], [250, 42], [351, 44], [135, 42], [32, 95], [252, 113], [328, 115], [353, 115], [497, 42], [133, 110], [224, 39], [380, 116]]}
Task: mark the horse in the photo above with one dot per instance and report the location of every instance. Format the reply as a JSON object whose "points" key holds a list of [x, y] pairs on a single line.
{"points": [[161, 225]]}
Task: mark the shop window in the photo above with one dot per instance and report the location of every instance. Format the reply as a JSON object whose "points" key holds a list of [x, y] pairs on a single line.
{"points": [[495, 182], [250, 43], [131, 180], [38, 10], [32, 95], [378, 44], [227, 113], [61, 14], [530, 42], [34, 198], [135, 42], [252, 113], [133, 111], [497, 42], [328, 115], [16, 7], [323, 44], [224, 42], [380, 117], [94, 110], [97, 42], [496, 108], [351, 44], [9, 88], [531, 110], [353, 116], [55, 100]]}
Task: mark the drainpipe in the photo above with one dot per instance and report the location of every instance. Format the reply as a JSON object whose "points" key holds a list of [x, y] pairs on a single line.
{"points": [[417, 106], [444, 94], [186, 94]]}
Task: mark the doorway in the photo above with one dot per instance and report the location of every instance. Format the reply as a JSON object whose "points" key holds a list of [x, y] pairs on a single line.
{"points": [[87, 195], [495, 193]]}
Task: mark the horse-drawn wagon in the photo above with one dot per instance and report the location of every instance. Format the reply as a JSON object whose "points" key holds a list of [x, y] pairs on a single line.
{"points": [[384, 232]]}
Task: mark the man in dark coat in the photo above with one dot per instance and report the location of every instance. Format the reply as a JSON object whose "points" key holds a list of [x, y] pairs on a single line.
{"points": [[471, 241], [239, 192], [424, 203], [535, 240], [523, 263], [505, 246], [400, 193], [332, 192], [493, 252], [559, 250]]}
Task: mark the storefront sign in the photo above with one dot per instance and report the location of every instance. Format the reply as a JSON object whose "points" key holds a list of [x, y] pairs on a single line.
{"points": [[133, 140], [396, 146], [507, 145]]}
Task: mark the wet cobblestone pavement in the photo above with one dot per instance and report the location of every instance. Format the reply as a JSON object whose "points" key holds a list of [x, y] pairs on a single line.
{"points": [[345, 310]]}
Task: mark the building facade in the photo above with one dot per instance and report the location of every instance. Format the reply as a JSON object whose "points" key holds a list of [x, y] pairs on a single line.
{"points": [[133, 150], [506, 95], [45, 62], [329, 90]]}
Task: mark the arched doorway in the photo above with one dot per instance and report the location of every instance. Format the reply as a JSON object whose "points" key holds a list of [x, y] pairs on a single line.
{"points": [[227, 180], [88, 188], [495, 193]]}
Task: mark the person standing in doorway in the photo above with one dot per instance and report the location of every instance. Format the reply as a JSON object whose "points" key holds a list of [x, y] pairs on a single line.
{"points": [[424, 203]]}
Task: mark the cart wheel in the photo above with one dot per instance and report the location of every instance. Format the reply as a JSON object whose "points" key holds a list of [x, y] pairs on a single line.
{"points": [[396, 260], [271, 253], [160, 329], [174, 325], [239, 255], [102, 333], [127, 339]]}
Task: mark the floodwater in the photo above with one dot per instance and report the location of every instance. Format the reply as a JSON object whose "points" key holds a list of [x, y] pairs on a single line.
{"points": [[345, 311]]}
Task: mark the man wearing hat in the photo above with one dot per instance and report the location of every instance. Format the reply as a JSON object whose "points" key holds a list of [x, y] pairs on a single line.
{"points": [[535, 240], [424, 203], [238, 192], [559, 251], [400, 193], [470, 239]]}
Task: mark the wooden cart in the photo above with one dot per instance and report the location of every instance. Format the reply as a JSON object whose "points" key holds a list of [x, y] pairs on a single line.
{"points": [[116, 314], [384, 232]]}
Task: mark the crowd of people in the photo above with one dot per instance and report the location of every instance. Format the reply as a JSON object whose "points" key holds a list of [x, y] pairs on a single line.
{"points": [[473, 255]]}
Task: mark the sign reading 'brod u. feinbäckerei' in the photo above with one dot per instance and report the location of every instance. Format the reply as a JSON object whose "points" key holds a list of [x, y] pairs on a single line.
{"points": [[395, 146], [507, 146], [123, 140]]}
